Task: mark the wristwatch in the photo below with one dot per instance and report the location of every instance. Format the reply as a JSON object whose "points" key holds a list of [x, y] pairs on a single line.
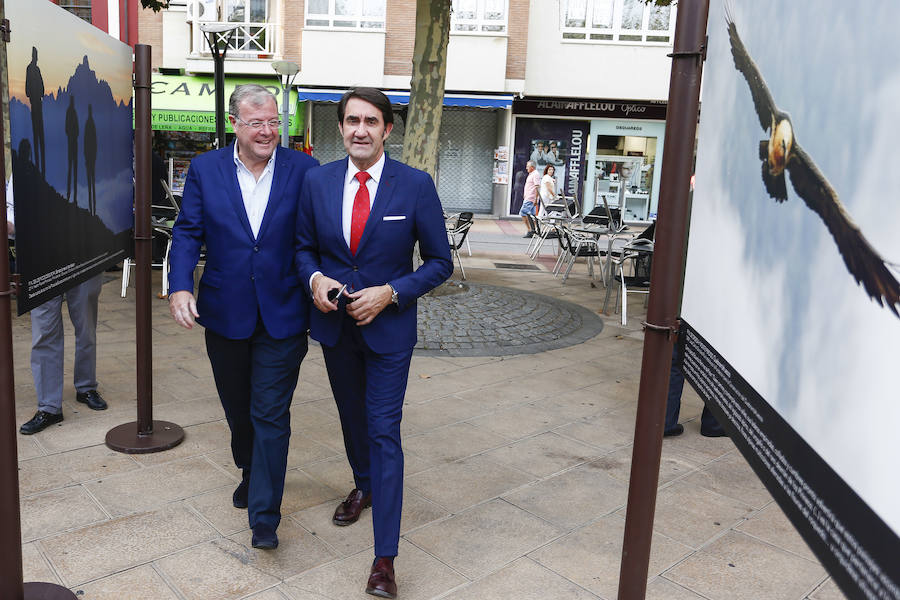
{"points": [[395, 298]]}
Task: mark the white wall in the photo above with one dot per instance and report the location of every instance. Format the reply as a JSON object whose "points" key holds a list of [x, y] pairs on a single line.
{"points": [[342, 58], [555, 67], [176, 44], [476, 62]]}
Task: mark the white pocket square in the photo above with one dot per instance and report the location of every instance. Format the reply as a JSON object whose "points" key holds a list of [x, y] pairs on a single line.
{"points": [[394, 218]]}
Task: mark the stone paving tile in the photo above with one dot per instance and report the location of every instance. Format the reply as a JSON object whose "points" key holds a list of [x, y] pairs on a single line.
{"points": [[123, 543], [519, 422], [269, 594], [524, 579], [298, 551], [424, 416], [419, 577], [335, 472], [475, 480], [591, 556], [772, 526], [230, 571], [464, 542], [26, 447], [89, 432], [35, 567], [150, 488], [618, 464], [602, 432], [302, 491], [827, 591], [572, 498], [346, 540], [693, 516], [58, 510], [453, 442], [738, 567], [543, 454], [141, 583], [732, 476], [217, 509], [189, 412], [661, 588], [303, 451]]}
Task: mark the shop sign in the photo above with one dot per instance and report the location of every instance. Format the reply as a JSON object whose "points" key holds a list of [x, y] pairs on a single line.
{"points": [[185, 103], [607, 109]]}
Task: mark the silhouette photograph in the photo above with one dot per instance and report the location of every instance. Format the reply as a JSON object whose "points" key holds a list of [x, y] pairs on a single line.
{"points": [[72, 139]]}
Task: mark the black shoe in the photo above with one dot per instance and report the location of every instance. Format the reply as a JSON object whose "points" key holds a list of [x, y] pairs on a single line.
{"points": [[239, 498], [264, 538], [94, 400], [676, 429], [529, 234], [717, 432], [39, 422]]}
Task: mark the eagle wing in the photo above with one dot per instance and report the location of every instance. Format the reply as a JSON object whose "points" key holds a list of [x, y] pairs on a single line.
{"points": [[861, 259], [762, 98]]}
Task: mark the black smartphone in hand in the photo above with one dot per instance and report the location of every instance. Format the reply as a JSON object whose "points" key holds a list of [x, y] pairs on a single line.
{"points": [[336, 293]]}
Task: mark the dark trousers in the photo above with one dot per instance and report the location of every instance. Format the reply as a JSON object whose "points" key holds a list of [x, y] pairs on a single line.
{"points": [[369, 388], [256, 378], [708, 423]]}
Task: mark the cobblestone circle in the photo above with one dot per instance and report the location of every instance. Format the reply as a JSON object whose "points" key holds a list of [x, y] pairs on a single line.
{"points": [[487, 320]]}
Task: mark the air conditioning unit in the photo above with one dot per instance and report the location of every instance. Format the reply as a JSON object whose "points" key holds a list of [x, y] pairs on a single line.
{"points": [[205, 9]]}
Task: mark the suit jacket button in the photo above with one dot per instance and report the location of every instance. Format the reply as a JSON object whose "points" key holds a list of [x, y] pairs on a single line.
{"points": [[253, 278], [355, 268], [256, 248]]}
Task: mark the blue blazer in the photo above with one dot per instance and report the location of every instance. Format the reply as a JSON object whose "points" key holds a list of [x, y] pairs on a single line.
{"points": [[243, 277], [406, 210]]}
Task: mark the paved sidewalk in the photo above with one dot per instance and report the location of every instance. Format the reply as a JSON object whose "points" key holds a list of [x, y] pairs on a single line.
{"points": [[516, 476]]}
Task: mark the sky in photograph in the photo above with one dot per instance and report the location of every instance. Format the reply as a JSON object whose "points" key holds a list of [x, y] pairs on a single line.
{"points": [[765, 284], [62, 40]]}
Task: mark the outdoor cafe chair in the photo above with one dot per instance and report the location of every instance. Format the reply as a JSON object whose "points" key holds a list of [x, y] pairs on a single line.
{"points": [[454, 224], [457, 237], [638, 252], [543, 230], [581, 245]]}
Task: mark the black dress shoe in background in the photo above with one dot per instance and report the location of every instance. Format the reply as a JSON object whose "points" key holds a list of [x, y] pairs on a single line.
{"points": [[39, 422], [264, 538], [239, 498], [349, 510], [713, 432], [381, 581], [94, 400], [676, 429]]}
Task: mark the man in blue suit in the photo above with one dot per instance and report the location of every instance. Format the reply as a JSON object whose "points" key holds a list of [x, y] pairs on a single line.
{"points": [[358, 224], [241, 202]]}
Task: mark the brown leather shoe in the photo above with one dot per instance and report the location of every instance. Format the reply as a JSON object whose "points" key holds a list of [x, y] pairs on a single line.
{"points": [[349, 510], [381, 581]]}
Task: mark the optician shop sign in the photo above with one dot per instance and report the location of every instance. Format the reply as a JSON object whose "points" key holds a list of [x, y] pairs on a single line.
{"points": [[610, 109]]}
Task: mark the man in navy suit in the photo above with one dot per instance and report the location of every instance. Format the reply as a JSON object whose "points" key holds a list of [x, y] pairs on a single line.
{"points": [[241, 202], [358, 224]]}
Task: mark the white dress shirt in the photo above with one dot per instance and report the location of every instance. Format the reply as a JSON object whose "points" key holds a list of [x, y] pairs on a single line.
{"points": [[255, 192], [351, 185]]}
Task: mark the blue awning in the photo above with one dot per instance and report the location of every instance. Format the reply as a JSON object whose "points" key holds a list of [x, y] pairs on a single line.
{"points": [[402, 98]]}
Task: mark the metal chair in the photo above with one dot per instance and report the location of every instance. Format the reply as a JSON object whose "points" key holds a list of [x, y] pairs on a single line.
{"points": [[543, 230], [447, 218], [457, 237], [162, 219], [581, 245], [638, 251]]}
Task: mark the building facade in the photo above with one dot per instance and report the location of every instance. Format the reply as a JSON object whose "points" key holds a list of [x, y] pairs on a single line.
{"points": [[580, 84]]}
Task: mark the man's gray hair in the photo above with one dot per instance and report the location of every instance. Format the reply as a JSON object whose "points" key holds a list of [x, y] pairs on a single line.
{"points": [[530, 163], [254, 94]]}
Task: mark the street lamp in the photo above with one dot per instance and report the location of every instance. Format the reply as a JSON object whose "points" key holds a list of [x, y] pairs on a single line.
{"points": [[216, 32], [288, 71]]}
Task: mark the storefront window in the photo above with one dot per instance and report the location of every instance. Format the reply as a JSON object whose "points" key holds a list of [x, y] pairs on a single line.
{"points": [[623, 168], [345, 14], [79, 8], [616, 20], [479, 16]]}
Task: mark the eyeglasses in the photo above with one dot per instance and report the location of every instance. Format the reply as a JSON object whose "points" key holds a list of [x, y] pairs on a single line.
{"points": [[274, 123]]}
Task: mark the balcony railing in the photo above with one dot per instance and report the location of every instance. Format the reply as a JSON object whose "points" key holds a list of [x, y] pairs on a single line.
{"points": [[249, 40]]}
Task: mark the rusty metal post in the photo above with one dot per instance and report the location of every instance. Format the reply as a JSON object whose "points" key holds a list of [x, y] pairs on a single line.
{"points": [[145, 435], [665, 280]]}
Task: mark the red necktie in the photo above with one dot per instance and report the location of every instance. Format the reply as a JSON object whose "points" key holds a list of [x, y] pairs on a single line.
{"points": [[360, 211]]}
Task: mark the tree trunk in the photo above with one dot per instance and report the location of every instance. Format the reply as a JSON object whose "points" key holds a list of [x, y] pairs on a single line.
{"points": [[426, 94]]}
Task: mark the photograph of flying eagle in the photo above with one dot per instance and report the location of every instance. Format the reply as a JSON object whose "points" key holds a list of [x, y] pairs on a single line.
{"points": [[781, 153]]}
